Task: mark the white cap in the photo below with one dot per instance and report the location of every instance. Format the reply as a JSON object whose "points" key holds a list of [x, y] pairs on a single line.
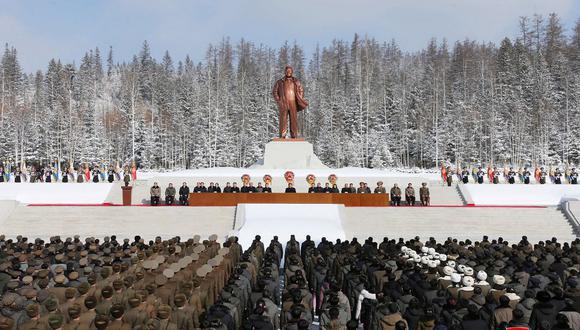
{"points": [[455, 278], [481, 275], [498, 279], [447, 270], [468, 281], [468, 271]]}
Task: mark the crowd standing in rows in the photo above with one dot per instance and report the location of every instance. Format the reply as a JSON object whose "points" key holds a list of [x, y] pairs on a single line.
{"points": [[192, 284], [523, 175]]}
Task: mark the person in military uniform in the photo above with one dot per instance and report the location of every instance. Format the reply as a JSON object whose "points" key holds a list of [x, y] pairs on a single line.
{"points": [[380, 189], [449, 176], [170, 194], [396, 195], [424, 194], [155, 193], [410, 195]]}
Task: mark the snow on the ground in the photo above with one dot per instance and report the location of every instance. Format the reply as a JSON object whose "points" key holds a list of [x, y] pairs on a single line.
{"points": [[520, 194], [316, 220], [339, 172], [55, 193]]}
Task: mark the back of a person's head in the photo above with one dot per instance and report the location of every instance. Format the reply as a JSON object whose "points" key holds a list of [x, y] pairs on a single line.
{"points": [[352, 325], [401, 325], [504, 301], [303, 325], [333, 313], [393, 308], [90, 302]]}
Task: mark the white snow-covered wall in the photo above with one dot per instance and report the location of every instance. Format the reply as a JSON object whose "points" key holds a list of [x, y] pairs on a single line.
{"points": [[55, 193], [519, 194]]}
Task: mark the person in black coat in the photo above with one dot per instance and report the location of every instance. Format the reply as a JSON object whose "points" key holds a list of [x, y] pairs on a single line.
{"points": [[312, 189], [2, 174], [235, 188], [217, 188], [290, 189], [345, 189], [228, 188], [543, 311], [18, 176], [334, 189], [267, 189], [327, 188], [96, 175], [183, 194], [111, 174]]}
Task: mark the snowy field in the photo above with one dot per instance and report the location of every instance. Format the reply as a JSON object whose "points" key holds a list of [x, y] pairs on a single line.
{"points": [[55, 193], [519, 194]]}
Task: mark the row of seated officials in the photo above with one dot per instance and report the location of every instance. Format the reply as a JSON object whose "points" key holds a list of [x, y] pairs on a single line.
{"points": [[184, 191]]}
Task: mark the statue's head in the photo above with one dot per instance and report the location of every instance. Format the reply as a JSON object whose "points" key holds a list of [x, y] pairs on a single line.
{"points": [[288, 71]]}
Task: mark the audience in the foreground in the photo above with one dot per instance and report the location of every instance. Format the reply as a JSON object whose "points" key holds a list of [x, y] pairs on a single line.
{"points": [[392, 284]]}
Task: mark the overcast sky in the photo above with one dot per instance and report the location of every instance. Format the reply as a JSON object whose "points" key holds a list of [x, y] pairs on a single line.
{"points": [[65, 29]]}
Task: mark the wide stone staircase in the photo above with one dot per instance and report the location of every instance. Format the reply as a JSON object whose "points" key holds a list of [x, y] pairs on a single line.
{"points": [[458, 222]]}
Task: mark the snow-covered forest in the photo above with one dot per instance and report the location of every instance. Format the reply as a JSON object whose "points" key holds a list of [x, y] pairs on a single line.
{"points": [[371, 103]]}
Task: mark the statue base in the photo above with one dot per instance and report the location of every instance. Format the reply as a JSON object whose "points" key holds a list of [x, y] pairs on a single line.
{"points": [[289, 154]]}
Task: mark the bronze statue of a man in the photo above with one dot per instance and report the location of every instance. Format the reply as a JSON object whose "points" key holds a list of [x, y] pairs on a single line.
{"points": [[289, 95]]}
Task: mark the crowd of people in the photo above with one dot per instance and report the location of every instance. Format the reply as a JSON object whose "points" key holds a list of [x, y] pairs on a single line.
{"points": [[193, 284], [67, 174], [184, 191], [523, 175]]}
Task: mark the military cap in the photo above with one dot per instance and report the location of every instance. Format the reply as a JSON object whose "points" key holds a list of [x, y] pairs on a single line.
{"points": [[29, 293], [175, 267], [160, 259], [83, 288], [60, 278], [118, 284], [117, 311], [90, 302], [12, 285], [160, 280], [179, 300], [199, 249], [27, 279], [101, 321], [164, 311], [213, 237], [6, 323], [196, 238], [51, 304], [107, 291], [134, 301], [32, 310], [153, 324], [55, 320], [73, 276], [43, 273]]}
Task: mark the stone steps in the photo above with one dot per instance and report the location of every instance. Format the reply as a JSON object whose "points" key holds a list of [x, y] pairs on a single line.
{"points": [[462, 223]]}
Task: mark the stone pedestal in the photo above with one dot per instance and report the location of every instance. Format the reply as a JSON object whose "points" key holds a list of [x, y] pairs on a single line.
{"points": [[290, 154], [127, 190]]}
